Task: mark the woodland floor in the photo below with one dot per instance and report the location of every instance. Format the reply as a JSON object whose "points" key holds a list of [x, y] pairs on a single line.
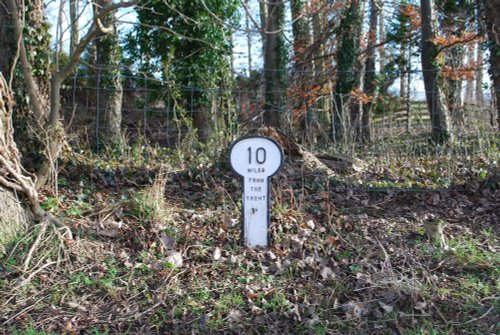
{"points": [[151, 248]]}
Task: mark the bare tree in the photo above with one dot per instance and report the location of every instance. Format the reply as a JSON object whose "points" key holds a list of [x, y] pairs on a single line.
{"points": [[370, 84], [302, 67], [348, 48], [263, 23], [491, 17], [356, 104], [274, 63], [321, 78], [53, 126], [382, 59], [12, 175], [15, 183], [108, 52], [436, 103], [469, 85], [73, 17], [453, 23], [5, 43], [249, 39], [479, 94]]}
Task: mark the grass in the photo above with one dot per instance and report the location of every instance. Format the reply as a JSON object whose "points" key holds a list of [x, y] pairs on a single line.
{"points": [[361, 229], [469, 253], [29, 331], [428, 330]]}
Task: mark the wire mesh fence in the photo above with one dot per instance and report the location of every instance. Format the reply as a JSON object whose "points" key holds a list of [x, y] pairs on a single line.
{"points": [[161, 112]]}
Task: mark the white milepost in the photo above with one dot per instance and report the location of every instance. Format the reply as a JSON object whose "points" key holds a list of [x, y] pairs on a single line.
{"points": [[256, 159]]}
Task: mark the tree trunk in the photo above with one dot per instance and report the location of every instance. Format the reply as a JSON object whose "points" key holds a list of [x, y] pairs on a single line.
{"points": [[5, 43], [109, 110], [59, 34], [301, 43], [453, 22], [301, 34], [403, 83], [274, 63], [480, 27], [455, 87], [479, 93], [323, 104], [370, 84], [73, 17], [382, 57], [436, 103], [469, 85], [14, 217], [15, 185], [491, 17], [408, 92], [346, 61], [231, 54], [53, 128], [263, 24], [201, 123], [249, 39], [356, 105]]}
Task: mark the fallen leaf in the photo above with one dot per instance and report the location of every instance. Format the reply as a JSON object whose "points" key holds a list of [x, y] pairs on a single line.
{"points": [[421, 305], [234, 315], [352, 311], [168, 242], [327, 273], [175, 259], [250, 294], [387, 308], [217, 254]]}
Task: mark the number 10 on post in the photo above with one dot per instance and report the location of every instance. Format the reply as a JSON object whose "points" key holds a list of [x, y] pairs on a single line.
{"points": [[255, 159]]}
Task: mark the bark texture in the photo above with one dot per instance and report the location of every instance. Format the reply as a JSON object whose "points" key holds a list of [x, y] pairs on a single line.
{"points": [[370, 84], [249, 39], [491, 15], [73, 16], [346, 61], [356, 105], [320, 29], [436, 101], [263, 24], [453, 23], [5, 43], [479, 94], [303, 66], [15, 216], [201, 122], [53, 126], [109, 112], [469, 85], [274, 63]]}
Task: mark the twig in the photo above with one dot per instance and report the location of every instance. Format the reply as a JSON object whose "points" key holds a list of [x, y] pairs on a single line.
{"points": [[31, 275], [440, 314], [34, 246], [24, 310], [480, 317]]}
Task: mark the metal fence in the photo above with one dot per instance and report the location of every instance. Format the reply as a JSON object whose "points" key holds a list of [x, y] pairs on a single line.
{"points": [[158, 112]]}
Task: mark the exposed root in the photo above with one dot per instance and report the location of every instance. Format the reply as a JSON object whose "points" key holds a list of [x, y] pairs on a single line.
{"points": [[12, 174]]}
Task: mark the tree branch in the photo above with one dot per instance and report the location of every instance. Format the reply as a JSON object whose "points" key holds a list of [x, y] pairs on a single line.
{"points": [[104, 30], [93, 32], [459, 42], [29, 80], [54, 136]]}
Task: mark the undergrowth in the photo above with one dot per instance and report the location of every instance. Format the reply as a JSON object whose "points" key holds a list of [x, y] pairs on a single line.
{"points": [[151, 243]]}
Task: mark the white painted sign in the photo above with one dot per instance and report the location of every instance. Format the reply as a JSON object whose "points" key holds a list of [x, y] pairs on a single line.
{"points": [[256, 159]]}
